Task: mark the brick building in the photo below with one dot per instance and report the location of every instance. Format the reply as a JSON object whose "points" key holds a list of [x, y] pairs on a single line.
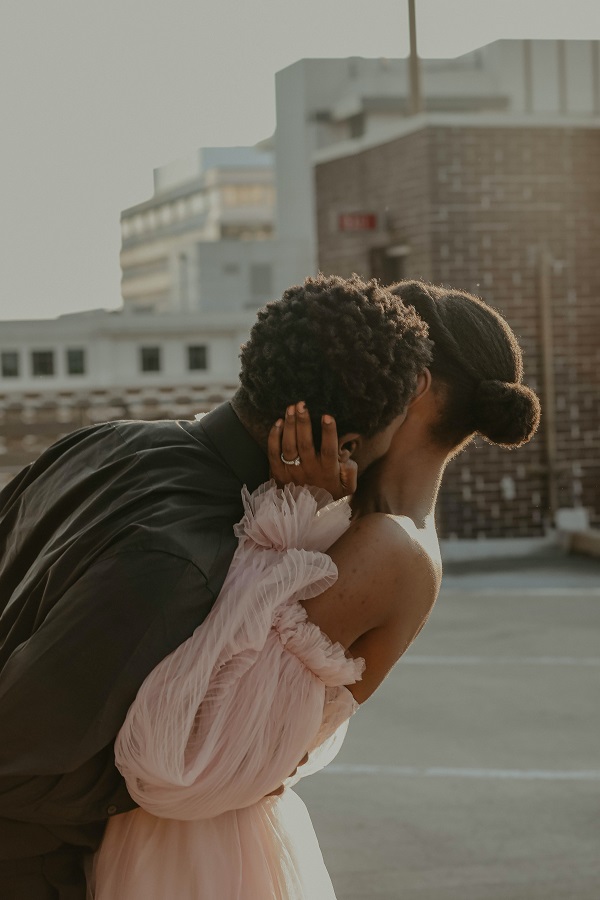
{"points": [[31, 422], [479, 204]]}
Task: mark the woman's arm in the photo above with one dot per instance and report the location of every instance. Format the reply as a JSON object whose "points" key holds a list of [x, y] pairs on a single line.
{"points": [[386, 588]]}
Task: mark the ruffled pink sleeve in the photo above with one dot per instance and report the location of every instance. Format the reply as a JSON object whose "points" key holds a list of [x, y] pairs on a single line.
{"points": [[224, 719]]}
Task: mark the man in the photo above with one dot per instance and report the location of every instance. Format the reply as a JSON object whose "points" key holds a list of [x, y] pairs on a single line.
{"points": [[116, 541]]}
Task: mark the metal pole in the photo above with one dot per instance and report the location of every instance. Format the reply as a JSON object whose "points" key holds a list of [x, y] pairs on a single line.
{"points": [[416, 101], [561, 53], [528, 76], [548, 385], [596, 76]]}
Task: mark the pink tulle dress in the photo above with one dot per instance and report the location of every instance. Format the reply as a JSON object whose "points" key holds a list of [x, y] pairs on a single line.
{"points": [[225, 719]]}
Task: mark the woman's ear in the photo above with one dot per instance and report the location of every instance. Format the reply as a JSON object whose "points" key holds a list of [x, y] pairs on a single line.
{"points": [[423, 386], [349, 443]]}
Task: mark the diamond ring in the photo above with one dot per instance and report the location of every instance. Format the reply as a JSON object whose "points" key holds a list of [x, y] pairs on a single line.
{"points": [[290, 462]]}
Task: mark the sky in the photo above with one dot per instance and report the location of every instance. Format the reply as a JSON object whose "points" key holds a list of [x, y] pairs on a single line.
{"points": [[95, 95]]}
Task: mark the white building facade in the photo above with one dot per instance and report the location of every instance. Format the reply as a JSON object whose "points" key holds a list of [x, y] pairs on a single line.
{"points": [[58, 375], [219, 197], [88, 351]]}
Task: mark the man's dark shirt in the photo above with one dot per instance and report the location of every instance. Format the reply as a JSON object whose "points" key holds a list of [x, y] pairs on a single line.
{"points": [[113, 547]]}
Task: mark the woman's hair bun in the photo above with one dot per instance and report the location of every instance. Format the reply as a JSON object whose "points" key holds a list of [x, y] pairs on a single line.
{"points": [[506, 413]]}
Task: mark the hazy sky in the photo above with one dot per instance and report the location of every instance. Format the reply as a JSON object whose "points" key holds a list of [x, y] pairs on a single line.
{"points": [[94, 95]]}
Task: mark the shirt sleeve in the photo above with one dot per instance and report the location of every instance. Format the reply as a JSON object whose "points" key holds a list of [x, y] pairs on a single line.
{"points": [[64, 692]]}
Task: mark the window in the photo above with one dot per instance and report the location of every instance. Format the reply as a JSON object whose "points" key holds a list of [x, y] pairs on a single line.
{"points": [[198, 204], [261, 281], [76, 362], [197, 357], [150, 359], [387, 263], [166, 214], [184, 280], [10, 364], [247, 195], [356, 125], [154, 218], [42, 362], [249, 232], [154, 267]]}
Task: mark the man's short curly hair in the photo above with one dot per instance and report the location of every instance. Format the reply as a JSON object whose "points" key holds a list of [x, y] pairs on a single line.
{"points": [[347, 347]]}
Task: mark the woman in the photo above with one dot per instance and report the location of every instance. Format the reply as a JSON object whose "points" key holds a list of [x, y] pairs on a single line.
{"points": [[290, 650]]}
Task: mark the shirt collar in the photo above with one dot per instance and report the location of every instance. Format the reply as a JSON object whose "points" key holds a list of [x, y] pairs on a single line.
{"points": [[237, 447]]}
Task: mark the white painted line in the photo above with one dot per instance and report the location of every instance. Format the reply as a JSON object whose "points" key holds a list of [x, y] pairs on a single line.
{"points": [[467, 590], [501, 660], [446, 772]]}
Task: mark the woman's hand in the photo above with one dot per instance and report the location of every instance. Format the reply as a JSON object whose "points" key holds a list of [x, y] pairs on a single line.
{"points": [[292, 439], [279, 791]]}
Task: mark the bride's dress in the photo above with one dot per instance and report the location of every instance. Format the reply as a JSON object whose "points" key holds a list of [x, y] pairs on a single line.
{"points": [[223, 720]]}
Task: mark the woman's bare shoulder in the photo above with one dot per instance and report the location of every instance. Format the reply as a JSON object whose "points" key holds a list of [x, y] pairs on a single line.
{"points": [[400, 583], [382, 570], [395, 543]]}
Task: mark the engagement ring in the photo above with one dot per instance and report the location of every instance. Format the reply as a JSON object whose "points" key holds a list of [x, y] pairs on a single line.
{"points": [[290, 462]]}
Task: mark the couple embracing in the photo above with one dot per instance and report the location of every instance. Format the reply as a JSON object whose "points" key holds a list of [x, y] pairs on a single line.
{"points": [[191, 612]]}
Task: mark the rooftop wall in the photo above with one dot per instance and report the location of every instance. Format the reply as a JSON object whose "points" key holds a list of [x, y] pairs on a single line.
{"points": [[471, 207]]}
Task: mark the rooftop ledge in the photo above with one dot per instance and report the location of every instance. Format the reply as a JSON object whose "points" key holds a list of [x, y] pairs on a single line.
{"points": [[455, 120]]}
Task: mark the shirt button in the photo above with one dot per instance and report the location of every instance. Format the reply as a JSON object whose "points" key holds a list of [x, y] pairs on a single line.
{"points": [[111, 810]]}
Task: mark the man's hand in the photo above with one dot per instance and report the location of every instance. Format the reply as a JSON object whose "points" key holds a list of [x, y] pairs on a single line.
{"points": [[292, 438], [279, 791]]}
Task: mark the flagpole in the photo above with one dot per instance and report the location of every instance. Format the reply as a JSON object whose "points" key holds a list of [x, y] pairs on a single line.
{"points": [[416, 101]]}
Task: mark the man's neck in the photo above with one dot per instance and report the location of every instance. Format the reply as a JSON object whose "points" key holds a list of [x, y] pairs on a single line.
{"points": [[256, 432]]}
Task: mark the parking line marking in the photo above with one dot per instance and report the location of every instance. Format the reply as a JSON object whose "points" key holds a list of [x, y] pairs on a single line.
{"points": [[470, 591], [446, 772], [501, 660]]}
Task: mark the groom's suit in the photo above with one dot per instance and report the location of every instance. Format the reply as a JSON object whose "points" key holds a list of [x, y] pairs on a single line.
{"points": [[113, 547]]}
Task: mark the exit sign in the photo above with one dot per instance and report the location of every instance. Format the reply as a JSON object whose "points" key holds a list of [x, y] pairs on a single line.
{"points": [[357, 221]]}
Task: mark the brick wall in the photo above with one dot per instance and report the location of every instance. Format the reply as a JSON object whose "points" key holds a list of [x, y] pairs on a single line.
{"points": [[392, 180], [474, 204], [29, 423]]}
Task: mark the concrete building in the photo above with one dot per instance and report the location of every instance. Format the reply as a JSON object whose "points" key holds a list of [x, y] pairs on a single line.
{"points": [[230, 228], [341, 106], [57, 375], [493, 188], [201, 243]]}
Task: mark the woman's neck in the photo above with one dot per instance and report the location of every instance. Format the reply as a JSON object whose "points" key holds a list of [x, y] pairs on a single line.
{"points": [[406, 482]]}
